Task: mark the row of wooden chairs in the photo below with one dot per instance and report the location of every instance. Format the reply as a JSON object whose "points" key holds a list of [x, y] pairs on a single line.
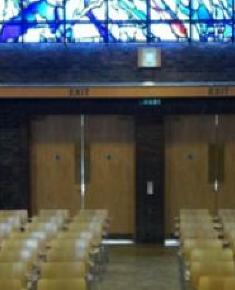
{"points": [[46, 284], [203, 250], [67, 257]]}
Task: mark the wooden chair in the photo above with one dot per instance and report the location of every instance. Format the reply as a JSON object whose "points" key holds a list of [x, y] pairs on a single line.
{"points": [[199, 234], [50, 229], [10, 284], [68, 255], [210, 268], [57, 220], [229, 284], [215, 282], [69, 243], [190, 244], [24, 256], [61, 284], [66, 270], [17, 271], [64, 213], [31, 244], [210, 255]]}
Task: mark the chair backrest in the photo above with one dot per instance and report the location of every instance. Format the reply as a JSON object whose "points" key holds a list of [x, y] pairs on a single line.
{"points": [[190, 244], [210, 268], [10, 284], [69, 243], [21, 213], [23, 256], [67, 255], [65, 270], [194, 225], [199, 234], [54, 212], [14, 271], [20, 244], [61, 284], [42, 226], [194, 211], [57, 220], [215, 282], [5, 229], [37, 235], [75, 235], [226, 212], [229, 284], [209, 254]]}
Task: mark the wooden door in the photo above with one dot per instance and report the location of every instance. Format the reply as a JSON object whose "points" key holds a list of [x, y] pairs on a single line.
{"points": [[187, 184], [111, 176], [55, 162], [109, 170], [226, 139]]}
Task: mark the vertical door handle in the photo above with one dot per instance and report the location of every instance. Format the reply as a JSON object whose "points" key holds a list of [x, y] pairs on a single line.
{"points": [[150, 187], [216, 165]]}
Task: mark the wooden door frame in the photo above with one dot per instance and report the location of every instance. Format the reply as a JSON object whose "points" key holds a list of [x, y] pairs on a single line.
{"points": [[121, 90]]}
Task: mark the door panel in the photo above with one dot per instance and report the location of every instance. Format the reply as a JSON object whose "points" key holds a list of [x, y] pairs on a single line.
{"points": [[186, 165], [111, 182], [109, 168], [226, 136], [54, 161]]}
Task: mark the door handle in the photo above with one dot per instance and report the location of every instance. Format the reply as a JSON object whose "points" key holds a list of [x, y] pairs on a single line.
{"points": [[77, 166], [150, 187], [216, 165]]}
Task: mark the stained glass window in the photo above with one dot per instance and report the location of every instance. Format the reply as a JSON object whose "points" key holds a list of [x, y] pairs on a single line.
{"points": [[86, 32], [10, 10], [174, 31], [169, 9], [127, 10], [211, 10], [69, 21], [124, 32], [90, 10], [43, 32], [212, 32], [10, 32]]}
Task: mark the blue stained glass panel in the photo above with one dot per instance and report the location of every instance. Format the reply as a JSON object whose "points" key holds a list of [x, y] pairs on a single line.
{"points": [[83, 32], [43, 10], [178, 31], [10, 32], [169, 10], [212, 9], [35, 32], [212, 32], [90, 10], [127, 32], [10, 10], [127, 10]]}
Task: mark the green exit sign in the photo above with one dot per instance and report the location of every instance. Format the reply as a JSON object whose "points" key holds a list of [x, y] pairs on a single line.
{"points": [[150, 102]]}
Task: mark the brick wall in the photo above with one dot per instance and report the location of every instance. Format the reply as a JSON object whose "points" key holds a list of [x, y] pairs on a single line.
{"points": [[13, 160], [113, 62]]}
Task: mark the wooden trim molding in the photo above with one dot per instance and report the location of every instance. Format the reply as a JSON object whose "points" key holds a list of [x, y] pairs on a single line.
{"points": [[118, 91]]}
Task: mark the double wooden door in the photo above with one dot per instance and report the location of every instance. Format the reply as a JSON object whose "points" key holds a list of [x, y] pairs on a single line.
{"points": [[103, 148], [199, 164]]}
